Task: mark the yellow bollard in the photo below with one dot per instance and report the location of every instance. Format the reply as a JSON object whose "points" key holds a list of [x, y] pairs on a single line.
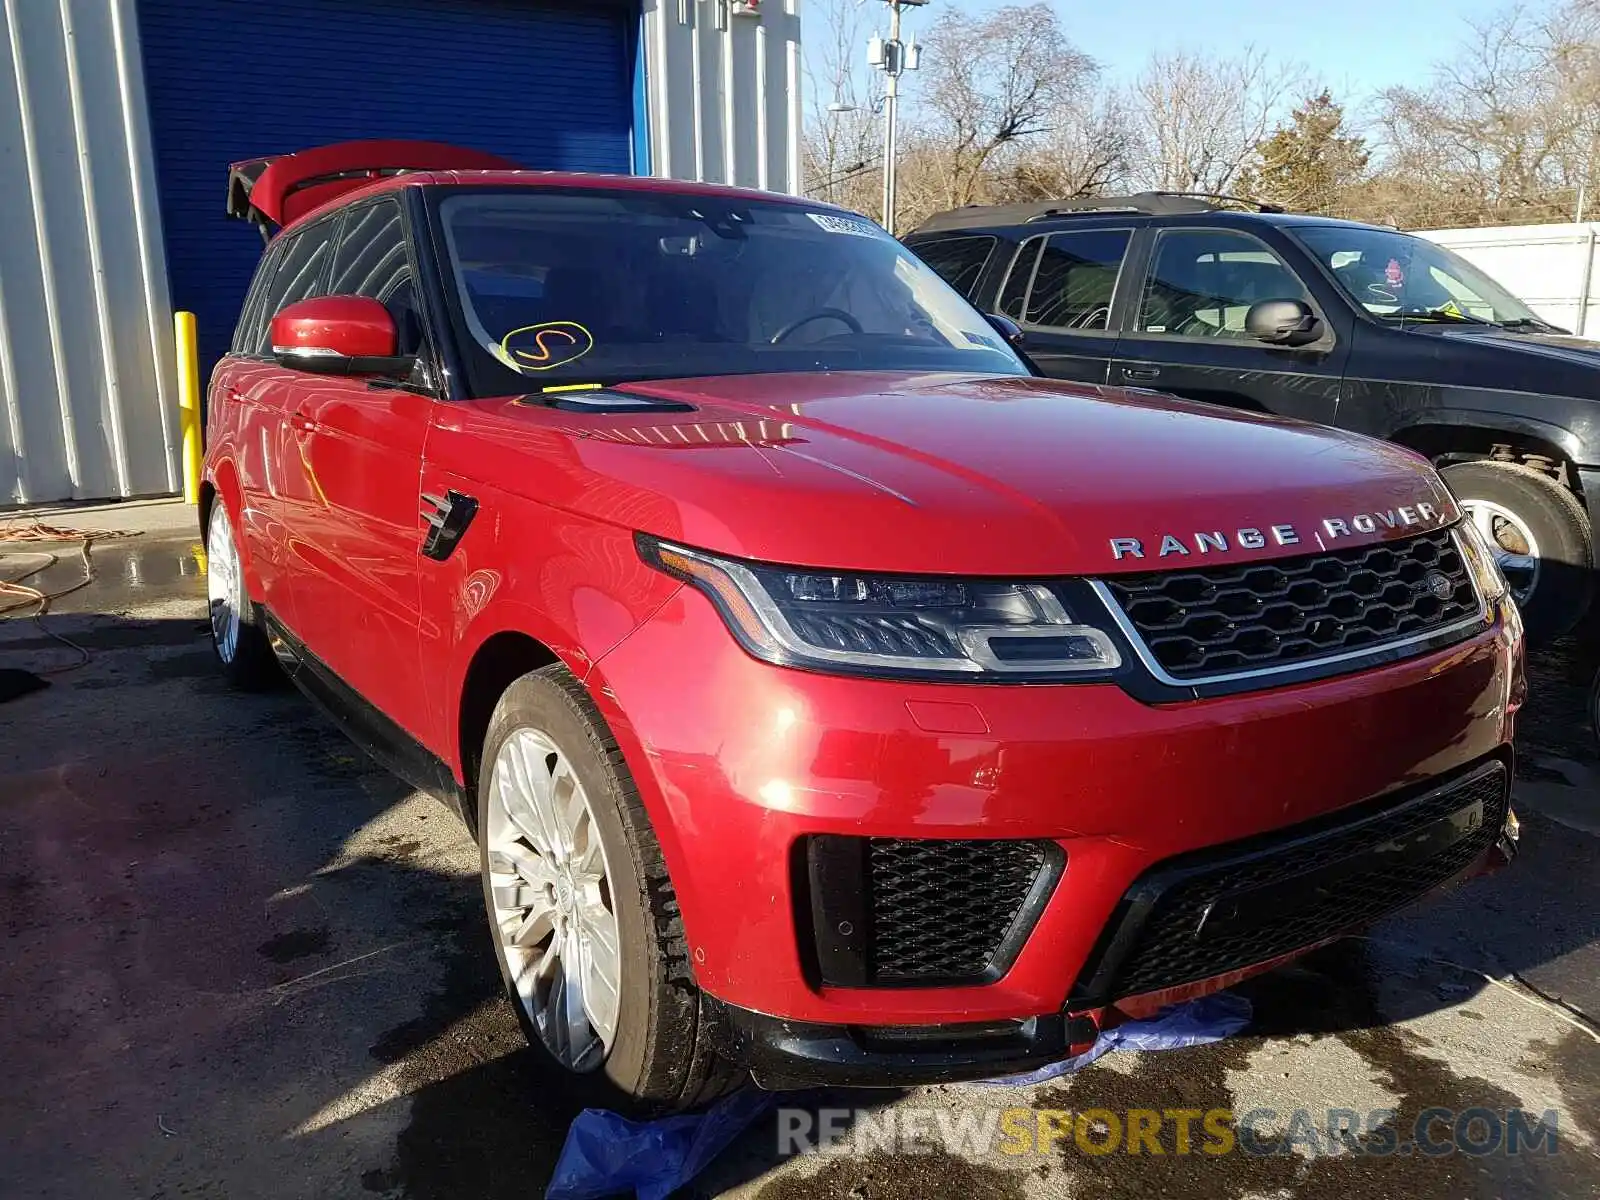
{"points": [[188, 403]]}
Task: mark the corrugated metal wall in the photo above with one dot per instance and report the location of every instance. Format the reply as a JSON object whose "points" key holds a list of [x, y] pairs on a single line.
{"points": [[725, 92], [86, 404]]}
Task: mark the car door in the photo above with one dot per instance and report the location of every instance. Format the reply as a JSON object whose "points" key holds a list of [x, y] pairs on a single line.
{"points": [[1061, 289], [1186, 332], [355, 445], [255, 388]]}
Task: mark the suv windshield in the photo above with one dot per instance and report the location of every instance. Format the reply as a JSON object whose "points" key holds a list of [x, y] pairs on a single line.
{"points": [[1397, 275], [557, 287]]}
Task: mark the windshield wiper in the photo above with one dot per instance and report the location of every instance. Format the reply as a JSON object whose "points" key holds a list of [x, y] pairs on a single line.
{"points": [[1438, 314], [1533, 323]]}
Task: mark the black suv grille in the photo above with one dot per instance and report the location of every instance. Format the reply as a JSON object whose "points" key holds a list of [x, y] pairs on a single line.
{"points": [[1302, 888], [924, 911], [1252, 616]]}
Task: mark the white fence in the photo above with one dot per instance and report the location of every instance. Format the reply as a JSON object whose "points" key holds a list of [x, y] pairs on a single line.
{"points": [[1552, 267]]}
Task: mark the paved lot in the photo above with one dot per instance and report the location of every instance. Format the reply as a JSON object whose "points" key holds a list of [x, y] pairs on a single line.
{"points": [[240, 961]]}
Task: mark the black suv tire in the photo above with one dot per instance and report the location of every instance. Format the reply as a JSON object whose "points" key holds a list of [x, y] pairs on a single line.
{"points": [[1594, 708], [1559, 526]]}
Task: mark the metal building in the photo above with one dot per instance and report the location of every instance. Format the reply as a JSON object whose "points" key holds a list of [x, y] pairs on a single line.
{"points": [[118, 119]]}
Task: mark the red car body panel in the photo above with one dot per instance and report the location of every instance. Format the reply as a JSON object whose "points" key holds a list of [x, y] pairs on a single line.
{"points": [[741, 757], [351, 472], [981, 475], [737, 759]]}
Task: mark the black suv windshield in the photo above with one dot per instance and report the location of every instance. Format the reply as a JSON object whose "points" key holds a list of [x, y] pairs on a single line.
{"points": [[1397, 275], [557, 287]]}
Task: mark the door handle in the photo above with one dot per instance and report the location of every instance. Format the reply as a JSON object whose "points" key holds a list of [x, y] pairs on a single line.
{"points": [[1141, 372], [302, 423]]}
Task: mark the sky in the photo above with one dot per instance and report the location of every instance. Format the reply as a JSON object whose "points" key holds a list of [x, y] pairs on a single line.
{"points": [[1356, 47]]}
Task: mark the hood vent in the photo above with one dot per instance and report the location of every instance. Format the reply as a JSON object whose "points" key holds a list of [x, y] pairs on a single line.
{"points": [[603, 400]]}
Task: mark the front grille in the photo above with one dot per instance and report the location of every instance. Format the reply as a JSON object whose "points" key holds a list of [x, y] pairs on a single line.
{"points": [[1352, 874], [1255, 616], [940, 909], [923, 911]]}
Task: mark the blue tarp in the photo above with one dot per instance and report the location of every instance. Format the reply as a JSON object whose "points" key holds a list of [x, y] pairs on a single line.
{"points": [[608, 1155]]}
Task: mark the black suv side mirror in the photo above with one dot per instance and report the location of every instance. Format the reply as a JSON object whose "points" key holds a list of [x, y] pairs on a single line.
{"points": [[1006, 328], [1283, 322]]}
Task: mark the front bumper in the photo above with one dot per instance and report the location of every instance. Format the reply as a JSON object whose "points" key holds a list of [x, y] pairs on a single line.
{"points": [[1285, 894], [740, 762]]}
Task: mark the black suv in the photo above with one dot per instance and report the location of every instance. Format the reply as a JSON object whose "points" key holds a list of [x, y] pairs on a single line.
{"points": [[1352, 325]]}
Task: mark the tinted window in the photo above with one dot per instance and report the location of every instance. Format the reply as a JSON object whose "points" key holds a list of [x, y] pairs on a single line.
{"points": [[1397, 275], [1016, 288], [371, 261], [371, 258], [553, 287], [247, 335], [1077, 275], [302, 260], [1203, 282], [959, 261]]}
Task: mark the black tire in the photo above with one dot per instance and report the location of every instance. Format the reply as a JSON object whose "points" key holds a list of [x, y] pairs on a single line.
{"points": [[1565, 586], [1594, 708], [250, 666], [660, 1059]]}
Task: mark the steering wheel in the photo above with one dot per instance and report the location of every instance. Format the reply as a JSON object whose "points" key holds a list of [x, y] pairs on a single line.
{"points": [[822, 314]]}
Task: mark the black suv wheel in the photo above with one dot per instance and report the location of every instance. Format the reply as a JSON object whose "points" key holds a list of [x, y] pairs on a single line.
{"points": [[1539, 532]]}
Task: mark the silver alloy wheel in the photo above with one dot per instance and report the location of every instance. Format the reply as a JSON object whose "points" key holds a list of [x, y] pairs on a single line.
{"points": [[1515, 548], [224, 584], [555, 923]]}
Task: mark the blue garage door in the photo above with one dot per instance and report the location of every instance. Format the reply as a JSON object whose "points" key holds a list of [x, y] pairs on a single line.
{"points": [[547, 85]]}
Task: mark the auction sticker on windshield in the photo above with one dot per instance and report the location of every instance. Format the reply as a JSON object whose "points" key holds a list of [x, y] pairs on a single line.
{"points": [[858, 226]]}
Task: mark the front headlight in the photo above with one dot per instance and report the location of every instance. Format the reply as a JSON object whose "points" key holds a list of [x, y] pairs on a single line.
{"points": [[1492, 585], [853, 623]]}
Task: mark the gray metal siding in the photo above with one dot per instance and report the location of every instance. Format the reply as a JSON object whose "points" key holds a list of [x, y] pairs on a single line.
{"points": [[85, 335], [724, 93]]}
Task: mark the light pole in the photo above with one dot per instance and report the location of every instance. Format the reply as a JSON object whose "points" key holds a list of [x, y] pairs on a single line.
{"points": [[893, 58], [838, 108]]}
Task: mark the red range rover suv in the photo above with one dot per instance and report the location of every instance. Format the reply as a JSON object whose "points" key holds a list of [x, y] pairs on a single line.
{"points": [[832, 697]]}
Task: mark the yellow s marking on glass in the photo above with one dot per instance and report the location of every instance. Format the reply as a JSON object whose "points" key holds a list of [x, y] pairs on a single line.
{"points": [[544, 346]]}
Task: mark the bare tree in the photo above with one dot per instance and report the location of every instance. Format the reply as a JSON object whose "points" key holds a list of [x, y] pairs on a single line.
{"points": [[841, 150], [1509, 127], [1200, 119], [1086, 151], [992, 87]]}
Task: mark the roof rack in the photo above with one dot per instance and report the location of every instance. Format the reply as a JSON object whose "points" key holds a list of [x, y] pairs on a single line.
{"points": [[1150, 204]]}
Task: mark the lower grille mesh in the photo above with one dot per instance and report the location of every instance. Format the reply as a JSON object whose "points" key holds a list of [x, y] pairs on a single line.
{"points": [[1169, 951], [940, 909]]}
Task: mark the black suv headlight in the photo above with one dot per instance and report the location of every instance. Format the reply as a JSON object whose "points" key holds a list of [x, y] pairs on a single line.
{"points": [[924, 627]]}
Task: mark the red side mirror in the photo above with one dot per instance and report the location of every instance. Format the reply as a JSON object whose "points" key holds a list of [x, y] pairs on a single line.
{"points": [[337, 335]]}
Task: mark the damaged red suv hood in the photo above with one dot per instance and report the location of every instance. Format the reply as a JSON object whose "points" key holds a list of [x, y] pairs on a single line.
{"points": [[988, 475]]}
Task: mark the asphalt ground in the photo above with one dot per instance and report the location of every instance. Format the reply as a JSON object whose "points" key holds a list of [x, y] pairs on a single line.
{"points": [[239, 960]]}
